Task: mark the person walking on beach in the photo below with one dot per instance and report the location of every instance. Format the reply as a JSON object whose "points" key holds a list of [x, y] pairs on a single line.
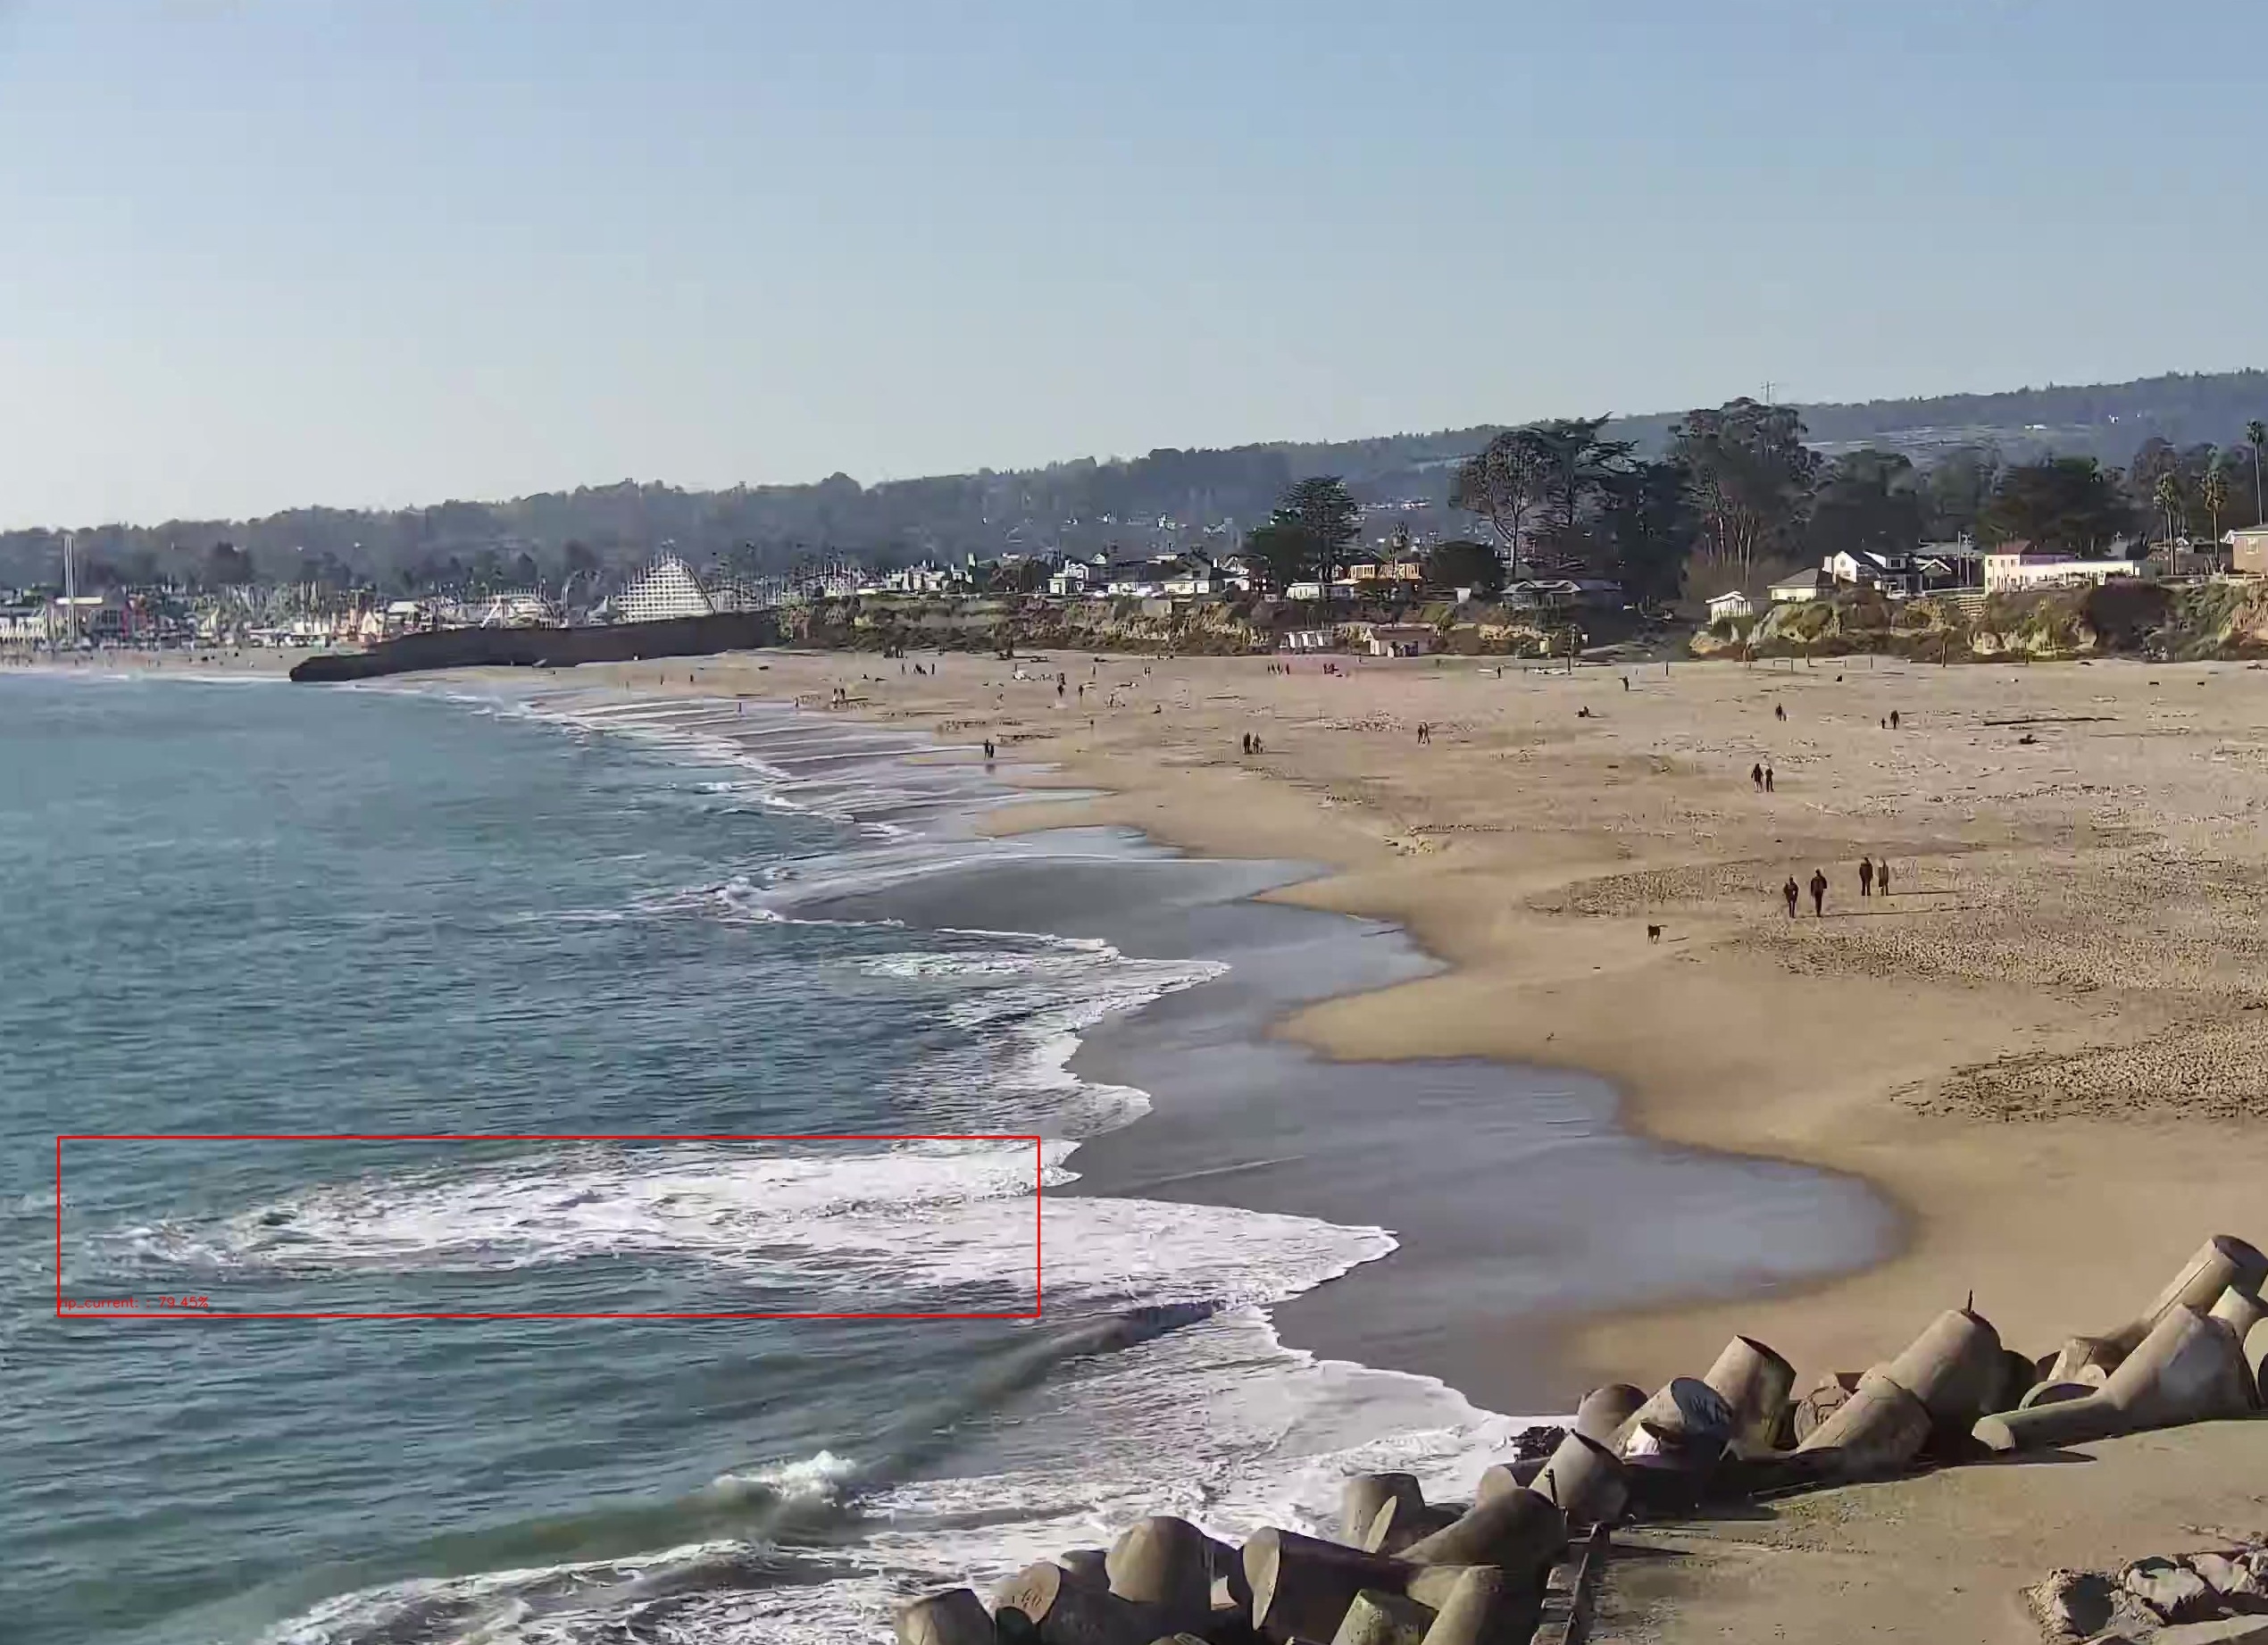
{"points": [[1247, 742], [1894, 719], [1866, 876], [1756, 774], [1768, 779], [1882, 878], [987, 750], [1779, 713], [1819, 893], [1789, 891]]}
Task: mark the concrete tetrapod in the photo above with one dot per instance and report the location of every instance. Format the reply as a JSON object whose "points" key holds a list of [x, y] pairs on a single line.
{"points": [[1362, 1495], [1827, 1393], [1604, 1410], [2220, 1262], [1375, 1617], [1878, 1430], [1673, 1443], [1301, 1585], [1521, 1530], [954, 1618], [1585, 1479], [1165, 1564], [2189, 1368], [1398, 1522], [1756, 1383], [1046, 1603], [1954, 1367], [1480, 1609]]}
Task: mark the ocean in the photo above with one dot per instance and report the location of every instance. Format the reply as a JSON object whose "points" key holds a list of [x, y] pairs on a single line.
{"points": [[556, 920]]}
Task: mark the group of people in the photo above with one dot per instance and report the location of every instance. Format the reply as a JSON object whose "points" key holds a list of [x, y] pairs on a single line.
{"points": [[1252, 744], [1425, 731], [1873, 880], [1763, 776]]}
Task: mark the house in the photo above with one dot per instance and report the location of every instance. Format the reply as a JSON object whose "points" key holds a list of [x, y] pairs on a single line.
{"points": [[1797, 589], [1948, 566], [1075, 578], [2019, 569], [921, 579], [1891, 571], [1724, 607], [1309, 639], [1402, 640], [1133, 579], [2248, 550], [1387, 570]]}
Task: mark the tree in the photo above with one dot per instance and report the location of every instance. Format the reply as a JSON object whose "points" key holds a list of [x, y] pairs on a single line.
{"points": [[1868, 502], [2256, 436], [1545, 483], [1502, 482], [1956, 489], [228, 566], [1322, 510], [1751, 476], [1463, 564], [2213, 495], [2068, 504], [2167, 494], [1279, 553], [1650, 527]]}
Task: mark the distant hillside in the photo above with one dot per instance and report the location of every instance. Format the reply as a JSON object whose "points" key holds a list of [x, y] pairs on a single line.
{"points": [[1159, 500]]}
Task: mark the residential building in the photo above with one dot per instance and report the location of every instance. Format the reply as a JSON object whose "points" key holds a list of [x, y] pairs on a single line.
{"points": [[1723, 607], [1797, 589], [2248, 550], [1402, 640], [1892, 573], [2017, 571]]}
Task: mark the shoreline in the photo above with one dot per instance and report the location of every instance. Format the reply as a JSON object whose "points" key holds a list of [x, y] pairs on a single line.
{"points": [[1947, 1055], [1498, 1340]]}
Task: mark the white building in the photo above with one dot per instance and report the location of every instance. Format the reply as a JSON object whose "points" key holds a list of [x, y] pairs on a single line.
{"points": [[1795, 590], [2021, 570], [1734, 604], [667, 588]]}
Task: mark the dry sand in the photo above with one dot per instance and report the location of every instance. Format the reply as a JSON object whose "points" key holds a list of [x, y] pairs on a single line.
{"points": [[2049, 1046]]}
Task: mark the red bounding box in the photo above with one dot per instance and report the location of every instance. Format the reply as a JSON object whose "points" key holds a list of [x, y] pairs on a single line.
{"points": [[145, 1305]]}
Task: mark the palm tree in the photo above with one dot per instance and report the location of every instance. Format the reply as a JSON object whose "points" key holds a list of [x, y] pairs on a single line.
{"points": [[2256, 436], [2168, 497], [2213, 491]]}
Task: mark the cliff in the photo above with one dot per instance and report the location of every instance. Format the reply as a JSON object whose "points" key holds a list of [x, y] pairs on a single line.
{"points": [[2197, 622]]}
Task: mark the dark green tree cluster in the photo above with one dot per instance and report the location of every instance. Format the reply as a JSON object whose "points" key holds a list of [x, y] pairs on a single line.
{"points": [[1564, 500]]}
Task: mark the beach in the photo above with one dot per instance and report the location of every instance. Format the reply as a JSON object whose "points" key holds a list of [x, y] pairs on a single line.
{"points": [[2042, 1049], [1525, 997]]}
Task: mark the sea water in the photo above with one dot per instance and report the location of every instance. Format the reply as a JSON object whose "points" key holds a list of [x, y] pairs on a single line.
{"points": [[233, 909]]}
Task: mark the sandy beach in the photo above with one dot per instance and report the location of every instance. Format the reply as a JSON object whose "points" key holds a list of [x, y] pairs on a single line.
{"points": [[2045, 1046]]}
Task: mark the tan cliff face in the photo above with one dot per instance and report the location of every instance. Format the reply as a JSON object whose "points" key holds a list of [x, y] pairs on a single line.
{"points": [[2199, 621]]}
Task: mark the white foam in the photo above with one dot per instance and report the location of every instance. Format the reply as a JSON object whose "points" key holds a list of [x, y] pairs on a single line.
{"points": [[1215, 1420]]}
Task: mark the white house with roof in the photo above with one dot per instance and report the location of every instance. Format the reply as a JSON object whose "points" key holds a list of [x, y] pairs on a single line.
{"points": [[1723, 607], [1797, 589]]}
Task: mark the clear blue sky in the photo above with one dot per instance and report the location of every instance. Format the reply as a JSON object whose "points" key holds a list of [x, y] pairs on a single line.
{"points": [[265, 253]]}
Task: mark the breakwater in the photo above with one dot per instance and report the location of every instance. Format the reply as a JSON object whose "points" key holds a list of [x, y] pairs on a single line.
{"points": [[542, 647]]}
